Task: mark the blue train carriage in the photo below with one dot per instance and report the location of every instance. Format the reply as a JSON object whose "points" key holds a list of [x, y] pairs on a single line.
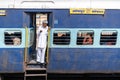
{"points": [[82, 39]]}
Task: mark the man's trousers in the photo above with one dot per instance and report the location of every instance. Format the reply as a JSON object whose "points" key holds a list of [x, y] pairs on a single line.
{"points": [[41, 55]]}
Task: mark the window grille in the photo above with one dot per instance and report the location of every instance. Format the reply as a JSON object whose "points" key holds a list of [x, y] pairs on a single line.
{"points": [[61, 37], [108, 38]]}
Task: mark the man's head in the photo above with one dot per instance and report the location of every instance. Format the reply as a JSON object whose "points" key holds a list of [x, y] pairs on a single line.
{"points": [[44, 23]]}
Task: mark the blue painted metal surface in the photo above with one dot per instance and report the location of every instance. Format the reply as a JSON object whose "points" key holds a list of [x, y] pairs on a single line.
{"points": [[62, 18], [19, 18], [13, 19], [109, 20], [88, 60], [11, 60]]}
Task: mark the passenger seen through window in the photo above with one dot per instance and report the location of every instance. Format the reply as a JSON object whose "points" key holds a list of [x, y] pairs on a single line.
{"points": [[85, 38]]}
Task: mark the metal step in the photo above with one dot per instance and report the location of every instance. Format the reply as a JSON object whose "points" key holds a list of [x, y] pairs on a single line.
{"points": [[32, 69], [35, 70], [35, 74], [34, 66]]}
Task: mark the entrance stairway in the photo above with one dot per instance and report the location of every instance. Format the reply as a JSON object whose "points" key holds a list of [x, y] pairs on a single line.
{"points": [[35, 72]]}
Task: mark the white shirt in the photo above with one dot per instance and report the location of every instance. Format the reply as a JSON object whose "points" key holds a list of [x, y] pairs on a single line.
{"points": [[42, 36]]}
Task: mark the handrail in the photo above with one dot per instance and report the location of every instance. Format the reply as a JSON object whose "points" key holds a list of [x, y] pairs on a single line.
{"points": [[26, 44], [48, 43]]}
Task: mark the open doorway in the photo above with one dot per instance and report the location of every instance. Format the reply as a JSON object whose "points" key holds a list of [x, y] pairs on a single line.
{"points": [[38, 21]]}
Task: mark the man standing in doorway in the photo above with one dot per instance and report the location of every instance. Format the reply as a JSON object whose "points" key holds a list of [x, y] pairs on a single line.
{"points": [[42, 43]]}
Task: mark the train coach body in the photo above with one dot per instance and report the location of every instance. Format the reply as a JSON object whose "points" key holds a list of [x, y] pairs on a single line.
{"points": [[68, 52]]}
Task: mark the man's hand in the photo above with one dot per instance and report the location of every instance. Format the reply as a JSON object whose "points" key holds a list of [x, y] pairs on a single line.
{"points": [[40, 31]]}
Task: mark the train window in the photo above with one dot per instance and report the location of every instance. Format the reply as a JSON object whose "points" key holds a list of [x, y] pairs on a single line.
{"points": [[85, 37], [108, 38], [12, 37], [61, 37]]}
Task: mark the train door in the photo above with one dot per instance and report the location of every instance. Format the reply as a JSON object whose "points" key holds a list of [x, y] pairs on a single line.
{"points": [[36, 21], [30, 29]]}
